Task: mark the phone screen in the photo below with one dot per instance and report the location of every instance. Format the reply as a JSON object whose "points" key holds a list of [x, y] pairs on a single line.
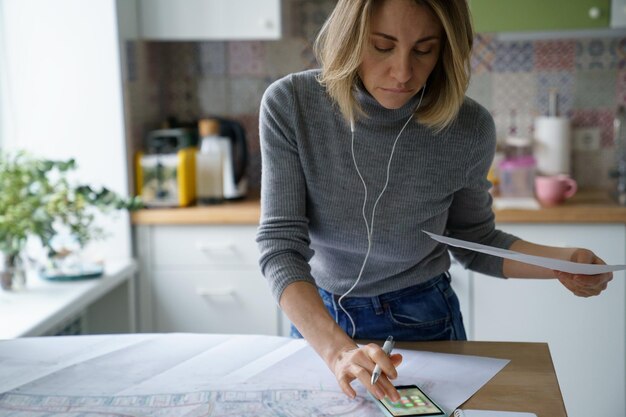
{"points": [[413, 402]]}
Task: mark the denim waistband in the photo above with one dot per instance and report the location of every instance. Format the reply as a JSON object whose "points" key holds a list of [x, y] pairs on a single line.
{"points": [[385, 297]]}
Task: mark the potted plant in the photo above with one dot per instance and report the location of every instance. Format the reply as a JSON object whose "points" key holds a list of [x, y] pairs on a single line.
{"points": [[37, 198]]}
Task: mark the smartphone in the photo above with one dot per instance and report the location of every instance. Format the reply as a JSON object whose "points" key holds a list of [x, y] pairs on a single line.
{"points": [[413, 402]]}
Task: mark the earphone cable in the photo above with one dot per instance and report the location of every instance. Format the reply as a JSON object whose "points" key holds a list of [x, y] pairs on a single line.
{"points": [[370, 229]]}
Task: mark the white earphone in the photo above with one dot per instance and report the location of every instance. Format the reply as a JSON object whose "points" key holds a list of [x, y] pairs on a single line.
{"points": [[370, 227]]}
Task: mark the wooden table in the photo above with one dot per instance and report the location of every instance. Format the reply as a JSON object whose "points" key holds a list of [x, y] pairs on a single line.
{"points": [[191, 373], [528, 383]]}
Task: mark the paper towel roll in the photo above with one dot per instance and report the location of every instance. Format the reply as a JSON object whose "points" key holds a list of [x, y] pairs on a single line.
{"points": [[553, 145]]}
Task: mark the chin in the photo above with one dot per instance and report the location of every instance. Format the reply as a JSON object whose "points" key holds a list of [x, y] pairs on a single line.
{"points": [[391, 105]]}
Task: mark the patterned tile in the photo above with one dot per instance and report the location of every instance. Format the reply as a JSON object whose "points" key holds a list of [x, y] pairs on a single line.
{"points": [[481, 89], [563, 82], [602, 118], [511, 79], [607, 164], [592, 169], [513, 57], [154, 56], [309, 16], [483, 54], [513, 103], [214, 96], [596, 54], [555, 55], [308, 57], [181, 98], [595, 88], [210, 58], [131, 60], [586, 167], [285, 57], [246, 94], [246, 58], [620, 92], [180, 59]]}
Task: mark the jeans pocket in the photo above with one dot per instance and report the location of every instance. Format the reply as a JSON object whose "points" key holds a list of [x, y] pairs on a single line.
{"points": [[424, 314]]}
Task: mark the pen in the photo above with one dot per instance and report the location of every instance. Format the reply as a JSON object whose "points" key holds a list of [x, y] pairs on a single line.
{"points": [[387, 347]]}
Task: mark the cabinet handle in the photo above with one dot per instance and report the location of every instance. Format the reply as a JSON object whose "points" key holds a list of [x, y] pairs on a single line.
{"points": [[266, 23], [212, 249], [595, 13], [225, 292]]}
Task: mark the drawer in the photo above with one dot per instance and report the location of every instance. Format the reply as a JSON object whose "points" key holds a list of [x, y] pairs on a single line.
{"points": [[205, 246], [214, 302]]}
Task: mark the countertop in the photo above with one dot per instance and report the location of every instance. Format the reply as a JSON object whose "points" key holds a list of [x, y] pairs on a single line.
{"points": [[587, 206], [44, 304]]}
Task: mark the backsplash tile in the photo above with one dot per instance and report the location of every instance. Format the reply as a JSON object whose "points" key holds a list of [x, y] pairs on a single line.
{"points": [[595, 88], [513, 57], [483, 55], [563, 82], [214, 95], [596, 54], [511, 79], [514, 97], [557, 55], [211, 58], [246, 58]]}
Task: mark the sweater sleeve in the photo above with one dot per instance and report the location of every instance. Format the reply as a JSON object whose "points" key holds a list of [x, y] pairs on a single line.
{"points": [[471, 216], [283, 235]]}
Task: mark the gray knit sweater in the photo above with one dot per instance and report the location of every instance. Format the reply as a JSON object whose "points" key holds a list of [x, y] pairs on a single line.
{"points": [[312, 227]]}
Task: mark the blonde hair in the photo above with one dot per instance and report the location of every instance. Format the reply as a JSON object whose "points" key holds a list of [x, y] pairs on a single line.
{"points": [[340, 44]]}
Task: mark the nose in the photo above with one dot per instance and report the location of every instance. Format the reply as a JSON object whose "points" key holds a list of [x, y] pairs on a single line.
{"points": [[402, 68]]}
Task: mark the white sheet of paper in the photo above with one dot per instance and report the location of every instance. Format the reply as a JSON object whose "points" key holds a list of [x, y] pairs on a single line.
{"points": [[556, 264]]}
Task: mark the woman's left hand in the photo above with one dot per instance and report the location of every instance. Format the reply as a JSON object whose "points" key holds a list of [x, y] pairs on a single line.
{"points": [[585, 285]]}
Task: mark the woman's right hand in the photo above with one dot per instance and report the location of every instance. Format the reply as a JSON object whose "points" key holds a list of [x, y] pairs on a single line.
{"points": [[359, 362]]}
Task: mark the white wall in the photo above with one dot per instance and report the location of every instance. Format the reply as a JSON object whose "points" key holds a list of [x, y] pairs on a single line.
{"points": [[65, 93]]}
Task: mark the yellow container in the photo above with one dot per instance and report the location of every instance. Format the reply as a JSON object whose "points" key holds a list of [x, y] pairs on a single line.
{"points": [[167, 180]]}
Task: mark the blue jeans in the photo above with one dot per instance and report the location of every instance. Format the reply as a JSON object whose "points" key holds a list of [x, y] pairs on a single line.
{"points": [[427, 311]]}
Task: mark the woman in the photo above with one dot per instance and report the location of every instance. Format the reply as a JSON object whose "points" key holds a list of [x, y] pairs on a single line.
{"points": [[358, 159]]}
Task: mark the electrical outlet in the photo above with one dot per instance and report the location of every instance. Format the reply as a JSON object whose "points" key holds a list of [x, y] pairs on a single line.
{"points": [[586, 138]]}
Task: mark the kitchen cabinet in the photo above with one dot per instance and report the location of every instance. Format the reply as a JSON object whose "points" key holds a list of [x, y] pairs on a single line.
{"points": [[173, 20], [587, 336], [539, 15], [205, 279]]}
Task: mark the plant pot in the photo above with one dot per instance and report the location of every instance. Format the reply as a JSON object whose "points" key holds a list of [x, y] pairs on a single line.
{"points": [[13, 274]]}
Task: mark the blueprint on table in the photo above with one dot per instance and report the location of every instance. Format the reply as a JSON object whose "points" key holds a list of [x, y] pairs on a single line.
{"points": [[205, 375]]}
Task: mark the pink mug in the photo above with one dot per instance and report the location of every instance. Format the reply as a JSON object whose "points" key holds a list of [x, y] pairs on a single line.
{"points": [[554, 189]]}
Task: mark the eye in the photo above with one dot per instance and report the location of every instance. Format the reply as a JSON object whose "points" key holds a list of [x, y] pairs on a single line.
{"points": [[418, 52], [379, 49]]}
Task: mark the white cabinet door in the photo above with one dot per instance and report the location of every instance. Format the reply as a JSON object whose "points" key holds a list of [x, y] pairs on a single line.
{"points": [[203, 279], [586, 336], [214, 301], [209, 19], [193, 247]]}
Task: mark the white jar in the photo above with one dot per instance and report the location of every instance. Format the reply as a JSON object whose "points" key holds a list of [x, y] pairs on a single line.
{"points": [[209, 164]]}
